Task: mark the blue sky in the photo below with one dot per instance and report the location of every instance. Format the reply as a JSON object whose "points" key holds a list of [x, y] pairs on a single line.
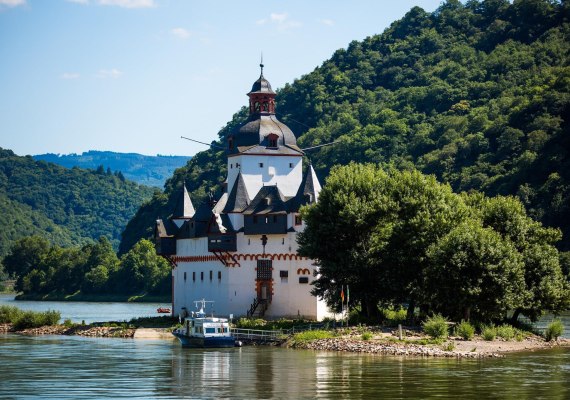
{"points": [[135, 75]]}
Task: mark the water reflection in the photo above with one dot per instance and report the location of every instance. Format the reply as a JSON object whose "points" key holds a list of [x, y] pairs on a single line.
{"points": [[72, 367]]}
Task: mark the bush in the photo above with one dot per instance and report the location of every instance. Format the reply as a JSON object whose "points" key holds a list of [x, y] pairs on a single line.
{"points": [[450, 346], [554, 330], [9, 314], [366, 336], [436, 326], [465, 330], [32, 319], [489, 332], [506, 332], [394, 317]]}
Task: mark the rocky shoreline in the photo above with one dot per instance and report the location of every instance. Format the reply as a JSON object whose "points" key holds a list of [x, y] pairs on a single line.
{"points": [[381, 343]]}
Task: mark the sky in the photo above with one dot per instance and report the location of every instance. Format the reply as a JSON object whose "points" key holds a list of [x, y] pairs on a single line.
{"points": [[133, 76]]}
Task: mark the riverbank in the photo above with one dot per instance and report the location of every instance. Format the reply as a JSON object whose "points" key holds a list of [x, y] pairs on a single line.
{"points": [[382, 343], [387, 343]]}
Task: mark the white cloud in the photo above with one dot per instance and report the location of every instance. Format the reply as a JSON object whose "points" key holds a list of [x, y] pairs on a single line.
{"points": [[69, 75], [128, 3], [180, 33], [12, 3], [280, 20], [78, 1], [109, 73], [328, 22]]}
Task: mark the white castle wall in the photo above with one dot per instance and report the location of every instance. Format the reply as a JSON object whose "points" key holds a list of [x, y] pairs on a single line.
{"points": [[275, 170], [234, 292]]}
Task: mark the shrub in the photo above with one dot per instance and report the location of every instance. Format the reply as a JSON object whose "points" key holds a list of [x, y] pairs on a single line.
{"points": [[366, 336], [506, 332], [489, 332], [436, 326], [554, 330], [394, 317], [32, 319], [465, 330], [9, 314]]}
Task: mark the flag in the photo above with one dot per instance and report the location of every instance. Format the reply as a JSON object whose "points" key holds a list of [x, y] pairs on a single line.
{"points": [[342, 294], [347, 294]]}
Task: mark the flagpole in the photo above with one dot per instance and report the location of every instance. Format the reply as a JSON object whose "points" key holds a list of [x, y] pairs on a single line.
{"points": [[347, 299]]}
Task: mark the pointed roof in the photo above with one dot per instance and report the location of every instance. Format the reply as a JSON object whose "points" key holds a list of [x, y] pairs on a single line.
{"points": [[269, 200], [238, 198], [308, 192], [184, 208]]}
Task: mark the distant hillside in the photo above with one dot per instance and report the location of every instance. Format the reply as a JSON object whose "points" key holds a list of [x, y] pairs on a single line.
{"points": [[477, 94], [145, 170], [67, 206]]}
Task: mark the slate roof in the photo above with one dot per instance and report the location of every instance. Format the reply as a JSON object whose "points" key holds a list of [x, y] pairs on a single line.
{"points": [[261, 85], [238, 198], [184, 208], [308, 192], [165, 228], [269, 200], [255, 131]]}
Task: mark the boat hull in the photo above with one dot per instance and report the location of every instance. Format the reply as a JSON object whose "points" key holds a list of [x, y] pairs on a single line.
{"points": [[205, 342]]}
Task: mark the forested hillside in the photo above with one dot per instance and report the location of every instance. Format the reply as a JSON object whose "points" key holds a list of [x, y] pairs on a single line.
{"points": [[66, 206], [144, 170], [475, 93]]}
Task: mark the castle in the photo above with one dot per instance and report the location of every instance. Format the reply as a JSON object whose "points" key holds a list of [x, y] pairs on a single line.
{"points": [[241, 251]]}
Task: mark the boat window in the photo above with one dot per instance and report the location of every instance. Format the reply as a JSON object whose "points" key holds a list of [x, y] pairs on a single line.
{"points": [[210, 330]]}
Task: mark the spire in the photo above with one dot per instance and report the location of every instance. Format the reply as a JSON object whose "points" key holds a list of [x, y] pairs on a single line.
{"points": [[184, 208], [261, 65], [238, 199], [309, 190]]}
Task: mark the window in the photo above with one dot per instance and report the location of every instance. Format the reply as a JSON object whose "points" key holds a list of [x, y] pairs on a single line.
{"points": [[255, 219], [211, 274], [184, 276], [282, 240], [260, 165], [274, 218], [298, 219], [272, 140], [231, 166], [219, 275], [283, 274], [202, 275], [194, 276], [210, 330], [290, 165], [264, 268], [303, 279]]}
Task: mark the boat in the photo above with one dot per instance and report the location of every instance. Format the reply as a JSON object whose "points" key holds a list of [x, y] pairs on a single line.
{"points": [[202, 331], [163, 310]]}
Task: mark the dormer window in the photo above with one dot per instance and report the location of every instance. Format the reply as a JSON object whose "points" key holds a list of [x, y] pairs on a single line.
{"points": [[272, 140]]}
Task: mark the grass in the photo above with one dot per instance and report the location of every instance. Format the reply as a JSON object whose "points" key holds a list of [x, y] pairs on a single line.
{"points": [[554, 330], [308, 336], [278, 324], [506, 332], [423, 341]]}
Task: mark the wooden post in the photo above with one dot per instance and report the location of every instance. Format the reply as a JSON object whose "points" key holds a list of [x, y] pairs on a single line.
{"points": [[400, 331]]}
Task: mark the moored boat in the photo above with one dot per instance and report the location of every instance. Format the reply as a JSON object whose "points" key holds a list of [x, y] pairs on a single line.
{"points": [[200, 330]]}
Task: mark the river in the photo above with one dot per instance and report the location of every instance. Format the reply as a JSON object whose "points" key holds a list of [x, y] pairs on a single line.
{"points": [[73, 367]]}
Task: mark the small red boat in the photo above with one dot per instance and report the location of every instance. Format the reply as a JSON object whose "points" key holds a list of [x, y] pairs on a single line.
{"points": [[163, 310]]}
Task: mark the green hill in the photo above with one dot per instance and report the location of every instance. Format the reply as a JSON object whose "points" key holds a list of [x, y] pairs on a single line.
{"points": [[67, 206], [476, 93], [144, 170]]}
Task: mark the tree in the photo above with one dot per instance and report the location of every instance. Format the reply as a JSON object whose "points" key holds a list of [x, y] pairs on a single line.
{"points": [[25, 255], [344, 231], [474, 272], [141, 269]]}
